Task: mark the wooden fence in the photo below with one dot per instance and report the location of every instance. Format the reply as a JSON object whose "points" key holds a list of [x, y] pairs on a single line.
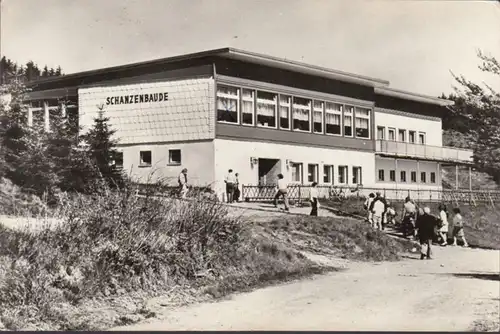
{"points": [[301, 192]]}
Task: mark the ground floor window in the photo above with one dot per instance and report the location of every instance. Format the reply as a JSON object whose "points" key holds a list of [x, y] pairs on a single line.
{"points": [[174, 157], [343, 171], [423, 177], [392, 175], [356, 175], [145, 158], [312, 173], [118, 159], [403, 176], [327, 174], [381, 176], [433, 177], [413, 176], [297, 172]]}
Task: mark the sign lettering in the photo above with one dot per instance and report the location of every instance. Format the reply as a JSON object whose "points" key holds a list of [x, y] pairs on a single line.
{"points": [[138, 98]]}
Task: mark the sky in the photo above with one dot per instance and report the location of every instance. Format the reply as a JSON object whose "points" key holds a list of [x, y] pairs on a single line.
{"points": [[413, 44]]}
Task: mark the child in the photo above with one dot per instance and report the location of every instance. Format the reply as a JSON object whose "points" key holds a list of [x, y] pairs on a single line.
{"points": [[458, 228], [390, 215]]}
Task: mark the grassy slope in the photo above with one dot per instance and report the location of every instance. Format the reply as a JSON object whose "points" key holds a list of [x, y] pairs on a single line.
{"points": [[482, 223], [34, 297]]}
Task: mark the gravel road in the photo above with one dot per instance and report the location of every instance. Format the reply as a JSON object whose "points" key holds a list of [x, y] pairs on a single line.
{"points": [[449, 293]]}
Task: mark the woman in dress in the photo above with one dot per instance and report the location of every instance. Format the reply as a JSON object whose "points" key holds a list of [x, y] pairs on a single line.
{"points": [[443, 231]]}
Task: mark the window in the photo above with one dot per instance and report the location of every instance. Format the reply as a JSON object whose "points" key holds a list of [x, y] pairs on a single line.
{"points": [[118, 160], [285, 105], [312, 173], [333, 116], [381, 175], [391, 134], [343, 174], [392, 175], [145, 157], [266, 109], [348, 121], [412, 137], [174, 157], [327, 174], [356, 175], [227, 104], [318, 116], [413, 176], [301, 114], [433, 177], [421, 138], [403, 176], [402, 135], [247, 106], [362, 123], [423, 177], [381, 132], [297, 172]]}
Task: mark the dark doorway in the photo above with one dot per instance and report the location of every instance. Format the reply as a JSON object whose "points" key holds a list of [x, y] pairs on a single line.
{"points": [[268, 171]]}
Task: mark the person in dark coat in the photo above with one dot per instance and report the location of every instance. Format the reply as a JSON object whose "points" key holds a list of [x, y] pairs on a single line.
{"points": [[426, 226]]}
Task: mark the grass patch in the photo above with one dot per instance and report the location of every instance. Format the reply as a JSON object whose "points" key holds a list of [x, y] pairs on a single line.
{"points": [[114, 250], [482, 222]]}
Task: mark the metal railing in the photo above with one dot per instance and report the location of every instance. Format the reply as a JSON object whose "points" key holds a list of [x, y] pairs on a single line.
{"points": [[252, 193], [439, 153]]}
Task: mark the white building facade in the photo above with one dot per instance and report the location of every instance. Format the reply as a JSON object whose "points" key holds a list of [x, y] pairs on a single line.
{"points": [[261, 116]]}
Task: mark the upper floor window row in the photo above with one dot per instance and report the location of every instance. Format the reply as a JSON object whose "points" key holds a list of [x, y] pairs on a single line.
{"points": [[250, 107], [413, 137]]}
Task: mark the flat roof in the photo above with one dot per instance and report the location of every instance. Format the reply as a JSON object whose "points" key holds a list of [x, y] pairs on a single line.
{"points": [[380, 85]]}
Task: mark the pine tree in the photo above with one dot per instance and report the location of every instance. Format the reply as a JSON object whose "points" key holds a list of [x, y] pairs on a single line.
{"points": [[45, 72], [102, 150], [58, 71]]}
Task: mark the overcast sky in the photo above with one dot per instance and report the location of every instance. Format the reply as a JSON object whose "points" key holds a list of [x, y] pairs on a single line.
{"points": [[413, 44]]}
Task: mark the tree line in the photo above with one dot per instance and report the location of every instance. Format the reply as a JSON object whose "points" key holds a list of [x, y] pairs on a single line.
{"points": [[27, 72], [44, 162], [474, 121]]}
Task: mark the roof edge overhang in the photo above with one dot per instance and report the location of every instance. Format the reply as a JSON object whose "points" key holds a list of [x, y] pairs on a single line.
{"points": [[237, 54], [386, 91]]}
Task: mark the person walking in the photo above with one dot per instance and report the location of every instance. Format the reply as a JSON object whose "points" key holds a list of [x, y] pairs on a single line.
{"points": [[367, 206], [230, 181], [378, 207], [426, 224], [409, 217], [183, 186], [282, 192], [313, 198], [458, 228], [443, 230], [237, 188]]}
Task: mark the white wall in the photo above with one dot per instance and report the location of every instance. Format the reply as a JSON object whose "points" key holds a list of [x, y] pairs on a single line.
{"points": [[197, 157], [188, 114], [388, 164], [232, 154], [432, 128]]}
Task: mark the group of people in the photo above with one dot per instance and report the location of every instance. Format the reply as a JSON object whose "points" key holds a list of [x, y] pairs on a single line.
{"points": [[232, 187], [422, 225]]}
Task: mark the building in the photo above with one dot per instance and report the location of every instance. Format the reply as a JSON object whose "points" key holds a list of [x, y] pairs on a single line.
{"points": [[260, 116]]}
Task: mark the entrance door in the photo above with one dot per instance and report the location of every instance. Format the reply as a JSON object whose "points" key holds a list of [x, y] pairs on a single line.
{"points": [[268, 171]]}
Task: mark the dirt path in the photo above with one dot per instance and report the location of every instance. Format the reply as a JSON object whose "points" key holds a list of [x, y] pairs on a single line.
{"points": [[446, 294]]}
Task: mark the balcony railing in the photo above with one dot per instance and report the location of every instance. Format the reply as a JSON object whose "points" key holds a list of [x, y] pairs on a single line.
{"points": [[437, 153]]}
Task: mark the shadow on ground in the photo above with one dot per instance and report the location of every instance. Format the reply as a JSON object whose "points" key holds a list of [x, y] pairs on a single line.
{"points": [[482, 276]]}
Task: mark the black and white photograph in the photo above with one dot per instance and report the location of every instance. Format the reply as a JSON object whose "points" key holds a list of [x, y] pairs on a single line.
{"points": [[250, 165]]}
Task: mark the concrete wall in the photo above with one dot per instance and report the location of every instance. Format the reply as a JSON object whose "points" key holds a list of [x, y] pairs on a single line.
{"points": [[236, 155], [432, 126], [188, 114], [197, 157]]}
